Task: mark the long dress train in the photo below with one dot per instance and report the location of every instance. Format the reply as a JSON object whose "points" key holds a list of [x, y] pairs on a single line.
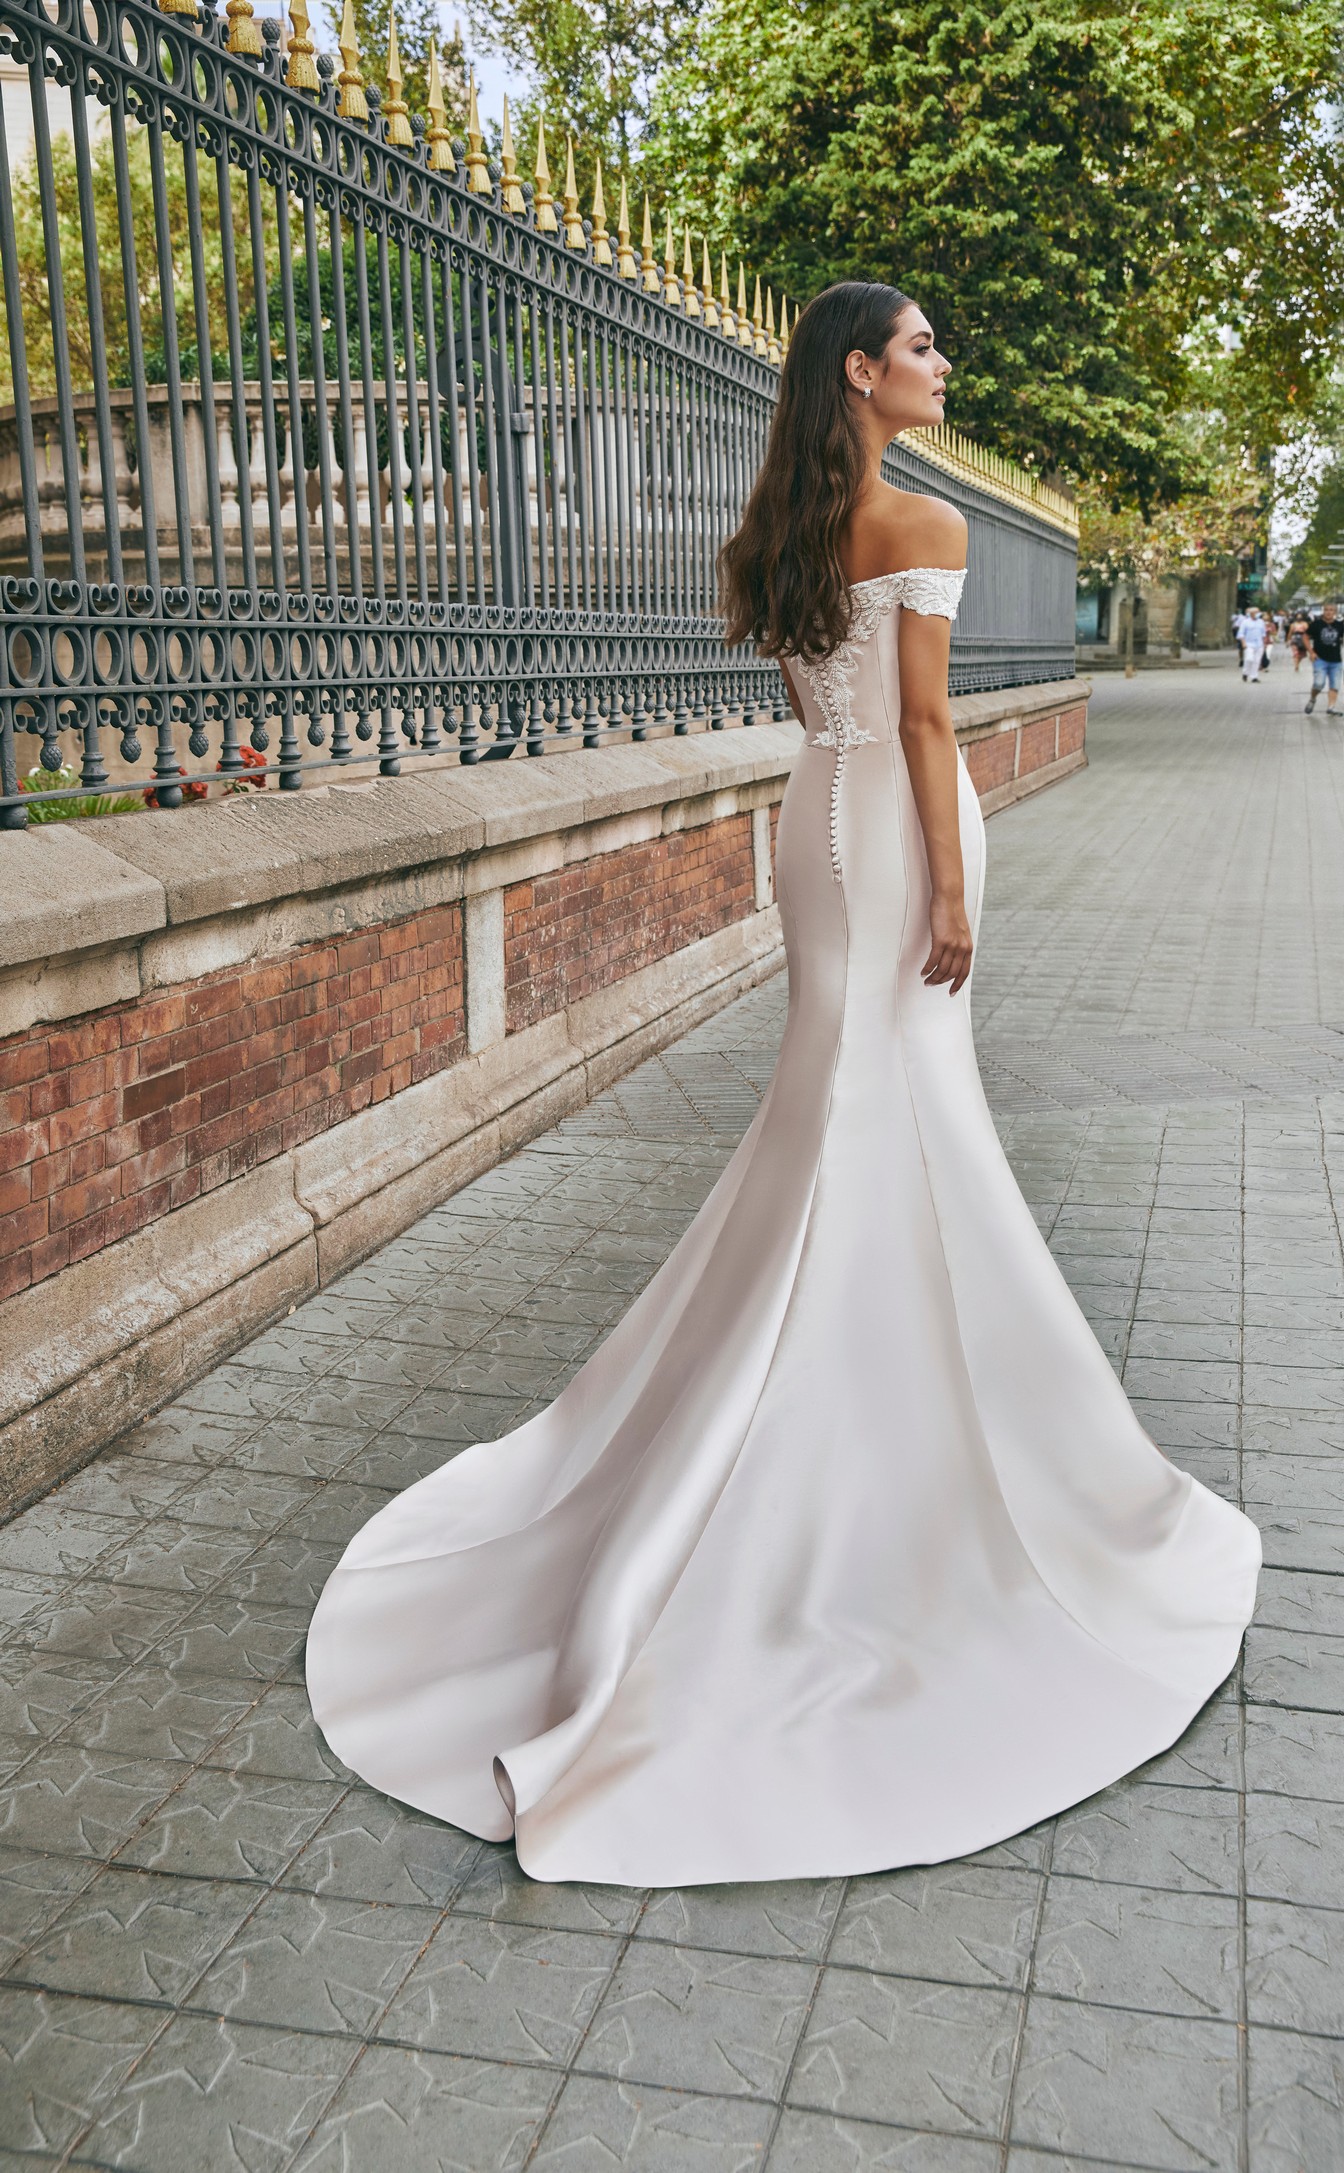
{"points": [[845, 1550]]}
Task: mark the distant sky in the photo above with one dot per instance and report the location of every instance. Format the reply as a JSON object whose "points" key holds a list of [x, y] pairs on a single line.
{"points": [[495, 77]]}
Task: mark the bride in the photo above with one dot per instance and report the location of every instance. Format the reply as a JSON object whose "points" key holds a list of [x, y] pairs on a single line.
{"points": [[845, 1550]]}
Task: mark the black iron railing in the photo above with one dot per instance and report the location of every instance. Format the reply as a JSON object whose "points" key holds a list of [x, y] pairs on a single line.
{"points": [[363, 447]]}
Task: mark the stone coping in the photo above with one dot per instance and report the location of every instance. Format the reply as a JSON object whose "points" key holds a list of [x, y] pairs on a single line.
{"points": [[74, 887]]}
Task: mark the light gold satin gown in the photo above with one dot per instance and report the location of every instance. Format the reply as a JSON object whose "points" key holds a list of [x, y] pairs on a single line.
{"points": [[845, 1550]]}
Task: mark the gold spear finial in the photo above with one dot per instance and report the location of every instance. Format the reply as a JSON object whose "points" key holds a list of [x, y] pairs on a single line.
{"points": [[688, 280], [569, 210], [771, 343], [648, 270], [743, 320], [396, 112], [626, 266], [353, 105], [244, 35], [758, 322], [301, 69], [727, 321], [478, 167], [441, 158], [600, 238], [707, 290], [671, 283], [510, 187], [178, 7], [784, 328], [543, 203]]}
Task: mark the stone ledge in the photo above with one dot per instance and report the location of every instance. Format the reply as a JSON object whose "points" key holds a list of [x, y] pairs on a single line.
{"points": [[97, 913], [248, 851], [976, 715]]}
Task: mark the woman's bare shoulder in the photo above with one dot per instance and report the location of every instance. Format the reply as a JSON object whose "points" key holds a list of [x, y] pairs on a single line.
{"points": [[896, 529]]}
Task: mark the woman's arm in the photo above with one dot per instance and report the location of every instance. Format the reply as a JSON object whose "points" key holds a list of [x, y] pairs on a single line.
{"points": [[930, 747]]}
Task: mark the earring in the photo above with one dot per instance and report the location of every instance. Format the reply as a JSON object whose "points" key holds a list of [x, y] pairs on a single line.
{"points": [[867, 392]]}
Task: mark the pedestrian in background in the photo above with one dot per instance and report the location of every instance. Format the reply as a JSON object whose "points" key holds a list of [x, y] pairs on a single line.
{"points": [[1254, 628], [1326, 636], [1298, 640]]}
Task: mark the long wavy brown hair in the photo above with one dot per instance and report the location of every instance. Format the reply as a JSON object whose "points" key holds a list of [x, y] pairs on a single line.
{"points": [[781, 582]]}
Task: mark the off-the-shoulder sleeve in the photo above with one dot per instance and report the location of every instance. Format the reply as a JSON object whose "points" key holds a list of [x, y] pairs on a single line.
{"points": [[935, 591]]}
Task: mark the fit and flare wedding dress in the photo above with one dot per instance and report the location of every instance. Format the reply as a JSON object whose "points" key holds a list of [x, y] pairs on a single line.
{"points": [[845, 1550]]}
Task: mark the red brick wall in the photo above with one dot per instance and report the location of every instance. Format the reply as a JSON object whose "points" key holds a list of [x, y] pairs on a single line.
{"points": [[110, 1120], [1038, 745], [575, 931], [1072, 730], [990, 761]]}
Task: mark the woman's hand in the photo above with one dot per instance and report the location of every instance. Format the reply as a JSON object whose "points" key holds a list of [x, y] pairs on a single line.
{"points": [[949, 960]]}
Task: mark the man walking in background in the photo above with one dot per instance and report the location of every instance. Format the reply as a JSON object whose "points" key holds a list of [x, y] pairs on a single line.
{"points": [[1326, 637], [1254, 629]]}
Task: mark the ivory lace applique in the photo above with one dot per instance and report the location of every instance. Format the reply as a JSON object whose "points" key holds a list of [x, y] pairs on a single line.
{"points": [[931, 590]]}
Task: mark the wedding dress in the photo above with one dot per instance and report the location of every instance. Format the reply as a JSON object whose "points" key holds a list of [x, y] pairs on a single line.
{"points": [[845, 1550]]}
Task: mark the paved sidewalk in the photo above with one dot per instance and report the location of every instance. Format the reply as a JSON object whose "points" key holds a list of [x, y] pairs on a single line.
{"points": [[216, 1952]]}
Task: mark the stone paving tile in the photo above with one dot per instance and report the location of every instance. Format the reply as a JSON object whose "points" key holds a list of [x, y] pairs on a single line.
{"points": [[1295, 1849], [1149, 2090], [61, 2062], [722, 2024], [230, 1826], [1127, 1946], [357, 1986], [216, 2093], [306, 1961], [404, 2111], [1138, 1834], [371, 1849], [1296, 2115], [134, 1935], [494, 1887], [34, 1890], [500, 1991], [821, 2143], [911, 2054], [959, 1923], [1290, 1753]]}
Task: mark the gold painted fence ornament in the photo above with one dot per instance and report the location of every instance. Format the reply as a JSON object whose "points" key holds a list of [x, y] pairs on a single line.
{"points": [[478, 166], [396, 112], [543, 203], [353, 105], [510, 187], [437, 139], [245, 39], [301, 66]]}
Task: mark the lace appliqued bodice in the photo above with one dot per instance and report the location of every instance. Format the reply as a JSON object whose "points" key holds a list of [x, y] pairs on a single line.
{"points": [[935, 591]]}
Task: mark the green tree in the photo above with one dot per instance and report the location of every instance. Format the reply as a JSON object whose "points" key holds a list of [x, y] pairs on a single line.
{"points": [[1219, 519], [593, 64], [1081, 193], [35, 271]]}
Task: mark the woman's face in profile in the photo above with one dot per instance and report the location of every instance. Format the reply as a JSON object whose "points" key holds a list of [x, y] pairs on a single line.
{"points": [[908, 382]]}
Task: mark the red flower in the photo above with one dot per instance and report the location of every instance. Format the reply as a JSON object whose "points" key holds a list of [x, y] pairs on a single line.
{"points": [[195, 791]]}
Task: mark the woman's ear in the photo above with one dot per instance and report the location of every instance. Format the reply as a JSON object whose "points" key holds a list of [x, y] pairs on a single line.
{"points": [[858, 370]]}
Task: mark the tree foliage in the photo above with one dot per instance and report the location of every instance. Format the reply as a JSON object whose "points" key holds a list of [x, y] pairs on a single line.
{"points": [[1220, 518], [593, 64], [1082, 194], [35, 285]]}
